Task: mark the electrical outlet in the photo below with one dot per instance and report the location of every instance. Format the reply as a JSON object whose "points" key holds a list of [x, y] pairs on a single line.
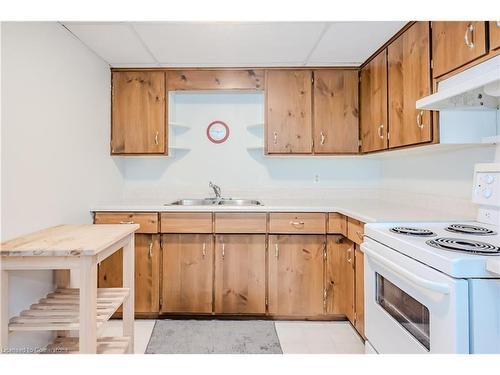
{"points": [[316, 178]]}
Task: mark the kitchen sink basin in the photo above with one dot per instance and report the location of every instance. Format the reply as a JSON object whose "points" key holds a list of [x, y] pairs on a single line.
{"points": [[216, 202]]}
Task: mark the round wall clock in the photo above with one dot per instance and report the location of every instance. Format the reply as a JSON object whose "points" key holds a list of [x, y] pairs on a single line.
{"points": [[217, 132]]}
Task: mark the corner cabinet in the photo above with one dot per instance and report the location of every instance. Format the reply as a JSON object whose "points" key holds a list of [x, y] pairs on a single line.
{"points": [[139, 113], [409, 64], [373, 102], [456, 43], [336, 112], [289, 111]]}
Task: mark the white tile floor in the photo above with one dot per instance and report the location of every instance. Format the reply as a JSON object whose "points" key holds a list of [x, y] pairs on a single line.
{"points": [[295, 337]]}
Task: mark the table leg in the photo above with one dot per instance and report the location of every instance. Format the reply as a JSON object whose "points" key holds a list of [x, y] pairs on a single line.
{"points": [[62, 279], [88, 305], [4, 310], [128, 282]]}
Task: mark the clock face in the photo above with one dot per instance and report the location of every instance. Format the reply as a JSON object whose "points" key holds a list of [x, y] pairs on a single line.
{"points": [[217, 132]]}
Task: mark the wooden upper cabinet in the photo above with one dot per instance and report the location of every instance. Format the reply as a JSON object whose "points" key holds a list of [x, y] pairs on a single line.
{"points": [[409, 80], [494, 35], [187, 273], [240, 274], [289, 111], [295, 278], [139, 113], [336, 111], [456, 43], [373, 102]]}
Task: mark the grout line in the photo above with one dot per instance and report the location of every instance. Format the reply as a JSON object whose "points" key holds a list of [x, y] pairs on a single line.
{"points": [[143, 43], [323, 32]]}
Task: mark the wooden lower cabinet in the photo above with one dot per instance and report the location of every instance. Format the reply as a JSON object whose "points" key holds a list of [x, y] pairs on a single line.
{"points": [[359, 300], [240, 274], [187, 273], [340, 276], [147, 273], [295, 275]]}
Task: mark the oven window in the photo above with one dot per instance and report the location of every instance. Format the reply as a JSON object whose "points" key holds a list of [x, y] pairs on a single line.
{"points": [[406, 310]]}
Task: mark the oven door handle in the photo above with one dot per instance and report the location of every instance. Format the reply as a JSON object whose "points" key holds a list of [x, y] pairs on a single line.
{"points": [[415, 279]]}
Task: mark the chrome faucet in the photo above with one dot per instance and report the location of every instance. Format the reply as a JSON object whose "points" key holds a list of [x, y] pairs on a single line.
{"points": [[217, 190]]}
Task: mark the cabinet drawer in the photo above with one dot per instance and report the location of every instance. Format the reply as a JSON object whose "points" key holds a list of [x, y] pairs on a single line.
{"points": [[337, 223], [186, 222], [313, 223], [148, 221], [355, 230], [240, 222]]}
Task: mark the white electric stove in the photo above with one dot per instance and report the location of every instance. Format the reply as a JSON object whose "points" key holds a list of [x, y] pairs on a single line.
{"points": [[435, 287]]}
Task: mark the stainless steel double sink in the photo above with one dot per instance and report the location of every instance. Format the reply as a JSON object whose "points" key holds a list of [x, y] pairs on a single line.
{"points": [[215, 202]]}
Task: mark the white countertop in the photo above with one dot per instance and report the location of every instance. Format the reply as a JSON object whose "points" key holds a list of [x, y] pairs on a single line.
{"points": [[366, 210]]}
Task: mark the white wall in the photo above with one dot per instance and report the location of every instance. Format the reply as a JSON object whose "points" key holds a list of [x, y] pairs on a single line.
{"points": [[236, 169], [55, 139]]}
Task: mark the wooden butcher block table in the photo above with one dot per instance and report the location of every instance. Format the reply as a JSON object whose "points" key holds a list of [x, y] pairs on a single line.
{"points": [[74, 248]]}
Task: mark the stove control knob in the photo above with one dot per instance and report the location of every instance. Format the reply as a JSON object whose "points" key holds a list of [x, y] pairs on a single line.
{"points": [[489, 179], [487, 193]]}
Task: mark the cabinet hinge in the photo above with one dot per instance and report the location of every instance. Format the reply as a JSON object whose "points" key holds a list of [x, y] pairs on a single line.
{"points": [[324, 251], [360, 142], [355, 317], [432, 64], [267, 303], [312, 79], [161, 303]]}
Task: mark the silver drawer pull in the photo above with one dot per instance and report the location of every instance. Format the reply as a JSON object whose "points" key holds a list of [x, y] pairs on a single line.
{"points": [[297, 224], [151, 249], [469, 42], [204, 250], [323, 137], [275, 138], [127, 222], [276, 250], [156, 138]]}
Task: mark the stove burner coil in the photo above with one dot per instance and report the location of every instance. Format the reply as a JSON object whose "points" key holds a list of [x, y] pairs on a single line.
{"points": [[462, 245], [417, 232], [469, 229]]}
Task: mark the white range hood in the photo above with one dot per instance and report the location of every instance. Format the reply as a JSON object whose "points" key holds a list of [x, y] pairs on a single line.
{"points": [[477, 88]]}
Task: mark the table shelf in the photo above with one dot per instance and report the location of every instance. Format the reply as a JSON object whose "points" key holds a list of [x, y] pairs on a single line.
{"points": [[60, 310]]}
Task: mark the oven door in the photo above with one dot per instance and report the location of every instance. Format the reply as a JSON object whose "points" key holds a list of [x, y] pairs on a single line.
{"points": [[410, 307]]}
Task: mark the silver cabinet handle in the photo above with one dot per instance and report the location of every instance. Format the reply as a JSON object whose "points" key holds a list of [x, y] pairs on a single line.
{"points": [[381, 131], [349, 255], [275, 138], [127, 222], [297, 224], [156, 138], [151, 249], [204, 250], [419, 119], [323, 137], [223, 250], [469, 42], [276, 250]]}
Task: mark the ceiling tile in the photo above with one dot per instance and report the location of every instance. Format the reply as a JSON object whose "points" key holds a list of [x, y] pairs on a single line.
{"points": [[115, 42], [351, 43], [230, 43]]}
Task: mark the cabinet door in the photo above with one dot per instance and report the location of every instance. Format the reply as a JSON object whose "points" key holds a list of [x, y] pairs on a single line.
{"points": [[147, 273], [456, 43], [187, 273], [359, 302], [138, 113], [340, 276], [373, 102], [289, 111], [240, 274], [296, 274], [494, 35], [409, 80], [336, 127]]}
